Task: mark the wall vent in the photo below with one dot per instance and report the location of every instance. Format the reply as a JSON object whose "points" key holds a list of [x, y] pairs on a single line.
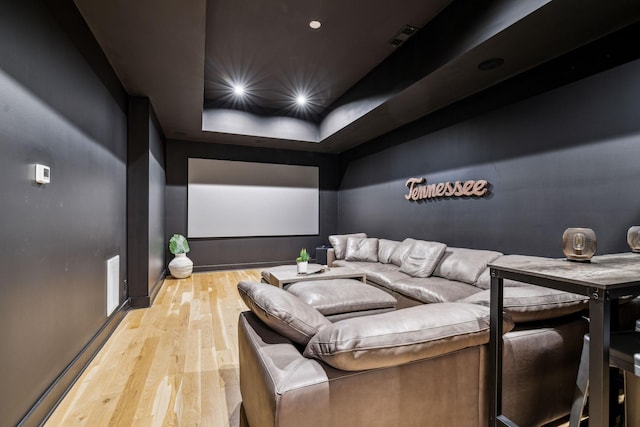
{"points": [[403, 35], [113, 278]]}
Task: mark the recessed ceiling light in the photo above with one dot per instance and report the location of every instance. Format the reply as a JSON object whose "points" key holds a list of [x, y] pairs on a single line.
{"points": [[315, 24], [238, 89], [301, 100]]}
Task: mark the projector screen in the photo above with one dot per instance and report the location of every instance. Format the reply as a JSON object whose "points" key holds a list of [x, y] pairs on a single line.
{"points": [[233, 199]]}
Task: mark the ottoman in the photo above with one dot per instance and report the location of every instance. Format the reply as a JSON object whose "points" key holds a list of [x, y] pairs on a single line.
{"points": [[339, 299]]}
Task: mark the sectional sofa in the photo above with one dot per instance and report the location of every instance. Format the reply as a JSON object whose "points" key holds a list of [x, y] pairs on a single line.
{"points": [[423, 364]]}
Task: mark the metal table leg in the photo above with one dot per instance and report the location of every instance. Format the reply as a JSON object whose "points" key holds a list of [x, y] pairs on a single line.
{"points": [[599, 332], [495, 350]]}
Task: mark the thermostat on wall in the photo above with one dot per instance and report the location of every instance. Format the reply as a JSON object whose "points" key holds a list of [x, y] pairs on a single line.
{"points": [[43, 174]]}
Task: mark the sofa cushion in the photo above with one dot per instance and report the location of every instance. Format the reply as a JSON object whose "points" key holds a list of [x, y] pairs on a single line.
{"points": [[386, 277], [464, 265], [361, 249], [339, 243], [422, 258], [377, 272], [484, 280], [401, 251], [385, 249], [433, 289], [401, 336], [360, 265], [281, 311], [529, 303], [339, 296]]}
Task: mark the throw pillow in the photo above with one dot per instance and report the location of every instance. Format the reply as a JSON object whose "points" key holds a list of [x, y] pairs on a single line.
{"points": [[464, 265], [401, 336], [283, 312], [361, 249], [385, 249], [339, 243], [400, 252], [422, 258]]}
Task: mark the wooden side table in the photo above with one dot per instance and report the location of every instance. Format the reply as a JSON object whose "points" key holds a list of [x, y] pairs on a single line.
{"points": [[286, 276]]}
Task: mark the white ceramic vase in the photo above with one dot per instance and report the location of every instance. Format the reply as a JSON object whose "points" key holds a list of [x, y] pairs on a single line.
{"points": [[302, 267], [181, 266]]}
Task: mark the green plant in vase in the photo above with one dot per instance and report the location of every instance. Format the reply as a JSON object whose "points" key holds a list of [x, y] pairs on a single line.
{"points": [[178, 244], [303, 261], [180, 266]]}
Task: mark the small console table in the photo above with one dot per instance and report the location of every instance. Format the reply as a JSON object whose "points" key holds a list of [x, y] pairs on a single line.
{"points": [[605, 279], [284, 277]]}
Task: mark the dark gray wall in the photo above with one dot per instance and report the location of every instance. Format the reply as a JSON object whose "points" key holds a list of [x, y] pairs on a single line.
{"points": [[158, 241], [225, 253], [145, 203], [564, 158], [55, 110]]}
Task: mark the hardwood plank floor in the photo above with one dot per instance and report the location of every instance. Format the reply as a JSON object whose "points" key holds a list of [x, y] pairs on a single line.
{"points": [[173, 364]]}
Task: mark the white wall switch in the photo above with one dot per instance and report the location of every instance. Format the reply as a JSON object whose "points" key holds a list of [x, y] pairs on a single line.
{"points": [[43, 174]]}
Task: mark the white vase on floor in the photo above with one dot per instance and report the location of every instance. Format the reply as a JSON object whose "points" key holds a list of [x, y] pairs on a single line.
{"points": [[302, 267], [181, 266]]}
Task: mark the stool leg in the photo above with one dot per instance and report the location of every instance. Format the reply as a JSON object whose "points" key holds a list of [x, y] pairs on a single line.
{"points": [[631, 400], [582, 386]]}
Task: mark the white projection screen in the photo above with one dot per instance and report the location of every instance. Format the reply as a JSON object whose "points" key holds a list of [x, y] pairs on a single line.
{"points": [[234, 199]]}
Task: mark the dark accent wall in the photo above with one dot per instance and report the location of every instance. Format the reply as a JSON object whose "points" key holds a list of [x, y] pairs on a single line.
{"points": [[567, 157], [55, 109], [146, 211], [225, 253]]}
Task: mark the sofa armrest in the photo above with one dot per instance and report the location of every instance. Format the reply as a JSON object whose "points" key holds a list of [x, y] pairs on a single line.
{"points": [[331, 256], [275, 377]]}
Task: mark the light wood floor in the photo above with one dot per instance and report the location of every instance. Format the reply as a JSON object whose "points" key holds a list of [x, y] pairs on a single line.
{"points": [[173, 364]]}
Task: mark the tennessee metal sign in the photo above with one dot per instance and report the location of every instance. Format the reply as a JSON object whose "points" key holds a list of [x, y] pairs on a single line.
{"points": [[420, 190]]}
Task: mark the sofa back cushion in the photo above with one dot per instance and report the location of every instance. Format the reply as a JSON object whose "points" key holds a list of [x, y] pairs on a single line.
{"points": [[464, 265], [281, 311], [361, 249], [400, 252], [401, 336], [529, 303], [422, 258], [385, 249], [484, 280], [339, 243]]}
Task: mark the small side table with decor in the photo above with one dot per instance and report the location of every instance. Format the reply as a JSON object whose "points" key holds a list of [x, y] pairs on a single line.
{"points": [[605, 279], [285, 275]]}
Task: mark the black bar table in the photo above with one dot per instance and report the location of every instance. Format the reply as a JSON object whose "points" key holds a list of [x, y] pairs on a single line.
{"points": [[604, 279]]}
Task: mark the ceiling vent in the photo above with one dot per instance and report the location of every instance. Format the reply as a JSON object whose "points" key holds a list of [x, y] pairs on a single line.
{"points": [[403, 35]]}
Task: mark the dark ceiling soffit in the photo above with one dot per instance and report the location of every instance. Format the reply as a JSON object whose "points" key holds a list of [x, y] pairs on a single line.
{"points": [[415, 60], [422, 76], [605, 53]]}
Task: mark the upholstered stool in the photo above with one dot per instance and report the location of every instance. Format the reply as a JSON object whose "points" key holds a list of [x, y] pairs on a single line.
{"points": [[343, 298], [624, 353]]}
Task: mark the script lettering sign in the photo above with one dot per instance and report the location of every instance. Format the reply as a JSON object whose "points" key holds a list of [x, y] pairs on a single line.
{"points": [[420, 190]]}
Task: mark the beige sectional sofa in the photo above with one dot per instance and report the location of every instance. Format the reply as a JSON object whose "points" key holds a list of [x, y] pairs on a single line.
{"points": [[424, 364]]}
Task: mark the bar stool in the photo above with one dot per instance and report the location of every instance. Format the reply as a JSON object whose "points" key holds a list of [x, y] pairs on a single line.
{"points": [[624, 354]]}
